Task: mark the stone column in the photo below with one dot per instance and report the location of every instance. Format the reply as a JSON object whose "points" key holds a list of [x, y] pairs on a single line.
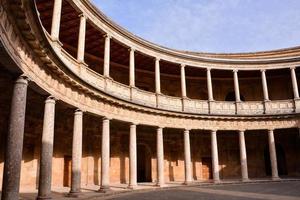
{"points": [[160, 157], [105, 156], [47, 150], [243, 156], [106, 56], [81, 39], [56, 20], [215, 157], [295, 83], [209, 85], [236, 86], [187, 157], [76, 154], [272, 150], [131, 69], [132, 157], [183, 82], [14, 141], [265, 85], [157, 76]]}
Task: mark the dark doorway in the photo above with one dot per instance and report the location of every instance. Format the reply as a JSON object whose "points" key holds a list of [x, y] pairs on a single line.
{"points": [[281, 161], [231, 97], [143, 164], [206, 168], [67, 171]]}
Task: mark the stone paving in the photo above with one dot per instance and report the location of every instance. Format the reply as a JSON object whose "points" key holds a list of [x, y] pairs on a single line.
{"points": [[287, 189]]}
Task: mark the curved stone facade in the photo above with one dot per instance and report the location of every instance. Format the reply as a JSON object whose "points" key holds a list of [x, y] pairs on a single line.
{"points": [[123, 90]]}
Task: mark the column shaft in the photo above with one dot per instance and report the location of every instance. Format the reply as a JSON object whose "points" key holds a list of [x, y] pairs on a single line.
{"points": [[47, 150], [215, 157], [160, 157], [265, 85], [131, 69], [243, 156], [106, 56], [14, 141], [272, 150], [157, 76], [183, 81], [187, 157], [132, 157], [236, 86], [76, 153], [56, 19], [295, 83], [105, 155], [81, 38], [209, 86]]}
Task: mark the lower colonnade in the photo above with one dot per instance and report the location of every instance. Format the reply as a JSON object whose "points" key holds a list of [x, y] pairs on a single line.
{"points": [[13, 156]]}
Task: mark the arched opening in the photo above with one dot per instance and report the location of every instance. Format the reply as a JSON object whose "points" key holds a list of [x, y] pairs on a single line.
{"points": [[143, 164], [281, 161], [231, 96]]}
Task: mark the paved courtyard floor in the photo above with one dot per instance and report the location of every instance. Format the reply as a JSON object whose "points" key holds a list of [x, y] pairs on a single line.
{"points": [[288, 189], [270, 191]]}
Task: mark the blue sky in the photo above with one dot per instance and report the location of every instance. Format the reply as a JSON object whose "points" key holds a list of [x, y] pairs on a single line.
{"points": [[210, 25]]}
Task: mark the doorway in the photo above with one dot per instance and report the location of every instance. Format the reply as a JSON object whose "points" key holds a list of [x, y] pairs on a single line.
{"points": [[143, 164], [67, 171], [206, 168]]}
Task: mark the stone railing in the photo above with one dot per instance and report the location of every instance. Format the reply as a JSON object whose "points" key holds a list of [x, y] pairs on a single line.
{"points": [[250, 108], [143, 97], [117, 89], [222, 108], [196, 106], [170, 103], [279, 107]]}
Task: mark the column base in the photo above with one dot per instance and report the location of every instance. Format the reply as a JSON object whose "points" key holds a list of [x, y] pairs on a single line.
{"points": [[132, 187], [104, 189], [245, 180], [73, 194], [41, 198], [160, 185], [275, 178], [187, 182], [217, 181]]}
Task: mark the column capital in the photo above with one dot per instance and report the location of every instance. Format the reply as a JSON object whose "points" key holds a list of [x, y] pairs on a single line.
{"points": [[271, 130], [208, 69], [51, 99], [187, 130], [157, 59], [160, 127], [78, 112], [131, 49], [134, 124], [106, 118], [242, 130], [82, 15], [214, 131], [107, 35], [235, 70], [23, 79], [263, 70], [182, 65], [293, 67]]}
